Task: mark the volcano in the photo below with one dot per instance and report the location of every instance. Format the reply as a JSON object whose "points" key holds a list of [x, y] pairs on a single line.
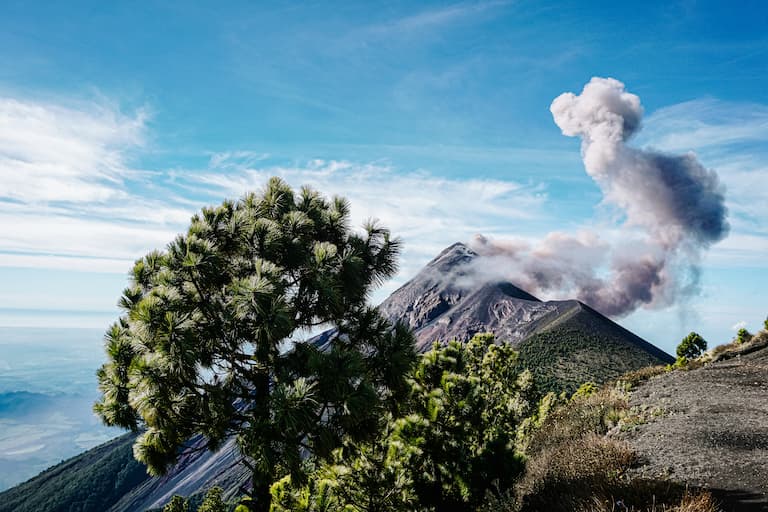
{"points": [[564, 342]]}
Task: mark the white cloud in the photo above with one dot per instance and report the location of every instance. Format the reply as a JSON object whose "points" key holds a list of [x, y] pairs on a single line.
{"points": [[67, 188], [704, 123], [739, 325], [54, 153], [426, 211], [76, 202]]}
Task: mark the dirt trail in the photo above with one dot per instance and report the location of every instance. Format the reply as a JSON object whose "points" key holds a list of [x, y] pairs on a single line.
{"points": [[712, 431]]}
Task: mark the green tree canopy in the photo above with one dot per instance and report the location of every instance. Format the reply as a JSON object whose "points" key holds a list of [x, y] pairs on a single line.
{"points": [[213, 501], [692, 346], [743, 336], [210, 341], [177, 504], [454, 442], [468, 401]]}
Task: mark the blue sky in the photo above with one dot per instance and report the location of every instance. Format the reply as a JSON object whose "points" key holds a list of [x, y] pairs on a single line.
{"points": [[119, 119]]}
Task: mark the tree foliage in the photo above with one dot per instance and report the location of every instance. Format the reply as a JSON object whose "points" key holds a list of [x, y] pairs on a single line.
{"points": [[692, 346], [467, 402], [177, 504], [743, 336], [213, 501], [454, 442], [209, 339]]}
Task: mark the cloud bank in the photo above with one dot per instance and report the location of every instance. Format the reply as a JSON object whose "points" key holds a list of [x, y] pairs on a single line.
{"points": [[672, 209]]}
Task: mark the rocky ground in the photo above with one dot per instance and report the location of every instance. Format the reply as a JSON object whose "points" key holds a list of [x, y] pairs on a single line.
{"points": [[709, 428]]}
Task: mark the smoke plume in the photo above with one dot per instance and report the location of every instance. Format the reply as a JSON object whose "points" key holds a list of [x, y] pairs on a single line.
{"points": [[673, 202]]}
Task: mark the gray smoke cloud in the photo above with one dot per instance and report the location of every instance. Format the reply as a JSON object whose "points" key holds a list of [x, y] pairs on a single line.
{"points": [[674, 202]]}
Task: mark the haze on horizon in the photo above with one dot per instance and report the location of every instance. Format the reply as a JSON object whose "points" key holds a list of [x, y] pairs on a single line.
{"points": [[118, 123]]}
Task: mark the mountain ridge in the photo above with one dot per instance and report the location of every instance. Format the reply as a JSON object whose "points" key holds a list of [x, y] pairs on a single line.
{"points": [[448, 300]]}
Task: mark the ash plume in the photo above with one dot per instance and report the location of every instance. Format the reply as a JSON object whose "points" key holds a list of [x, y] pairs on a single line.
{"points": [[672, 209]]}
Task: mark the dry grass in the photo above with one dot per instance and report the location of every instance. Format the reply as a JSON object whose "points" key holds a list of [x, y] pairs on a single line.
{"points": [[593, 414], [637, 377], [699, 501], [573, 466], [568, 474], [735, 348]]}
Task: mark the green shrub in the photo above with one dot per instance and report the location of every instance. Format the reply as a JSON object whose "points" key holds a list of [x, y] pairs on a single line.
{"points": [[585, 390], [692, 346], [177, 504], [213, 501], [743, 336], [453, 441]]}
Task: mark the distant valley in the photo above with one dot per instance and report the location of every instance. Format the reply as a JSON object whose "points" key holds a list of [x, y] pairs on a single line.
{"points": [[47, 388]]}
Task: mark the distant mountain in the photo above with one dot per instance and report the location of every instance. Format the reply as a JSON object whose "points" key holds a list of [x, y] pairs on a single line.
{"points": [[564, 342]]}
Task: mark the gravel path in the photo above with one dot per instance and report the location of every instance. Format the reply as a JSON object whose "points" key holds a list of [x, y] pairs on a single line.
{"points": [[712, 431]]}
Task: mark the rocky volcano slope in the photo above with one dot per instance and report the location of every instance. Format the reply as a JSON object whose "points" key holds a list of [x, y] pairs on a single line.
{"points": [[443, 301], [710, 429], [564, 342]]}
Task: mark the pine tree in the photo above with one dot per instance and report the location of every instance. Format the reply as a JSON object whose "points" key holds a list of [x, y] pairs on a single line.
{"points": [[209, 341], [691, 347], [177, 504], [213, 501], [458, 443]]}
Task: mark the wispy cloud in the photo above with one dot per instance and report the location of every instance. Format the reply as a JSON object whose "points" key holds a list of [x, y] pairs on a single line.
{"points": [[67, 187], [76, 201], [704, 123], [54, 153], [427, 211], [428, 19]]}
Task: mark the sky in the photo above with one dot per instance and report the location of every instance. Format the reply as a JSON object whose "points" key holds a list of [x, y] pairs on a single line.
{"points": [[119, 120]]}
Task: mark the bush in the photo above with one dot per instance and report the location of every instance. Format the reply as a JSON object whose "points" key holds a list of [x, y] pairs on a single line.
{"points": [[586, 389], [213, 501], [467, 402], [743, 336], [593, 414], [692, 346], [633, 379], [453, 441], [573, 472], [177, 504]]}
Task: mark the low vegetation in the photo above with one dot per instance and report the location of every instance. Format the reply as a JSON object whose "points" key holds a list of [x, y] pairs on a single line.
{"points": [[738, 347], [93, 480], [692, 346], [563, 358]]}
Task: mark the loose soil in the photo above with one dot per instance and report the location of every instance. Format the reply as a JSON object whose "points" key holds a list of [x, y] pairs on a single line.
{"points": [[708, 428]]}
